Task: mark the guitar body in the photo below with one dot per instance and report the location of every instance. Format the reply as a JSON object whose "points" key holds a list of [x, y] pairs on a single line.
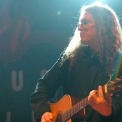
{"points": [[61, 106]]}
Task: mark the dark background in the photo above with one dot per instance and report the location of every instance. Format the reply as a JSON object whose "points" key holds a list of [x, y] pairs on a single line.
{"points": [[32, 35]]}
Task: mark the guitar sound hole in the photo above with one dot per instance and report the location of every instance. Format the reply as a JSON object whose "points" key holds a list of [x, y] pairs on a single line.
{"points": [[59, 118]]}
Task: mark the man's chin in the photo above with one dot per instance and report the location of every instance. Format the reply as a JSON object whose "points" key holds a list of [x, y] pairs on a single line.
{"points": [[83, 41]]}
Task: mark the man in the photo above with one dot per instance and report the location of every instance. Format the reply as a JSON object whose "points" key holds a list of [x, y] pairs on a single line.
{"points": [[89, 61]]}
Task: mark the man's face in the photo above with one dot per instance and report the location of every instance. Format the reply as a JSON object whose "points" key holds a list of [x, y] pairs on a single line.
{"points": [[87, 28]]}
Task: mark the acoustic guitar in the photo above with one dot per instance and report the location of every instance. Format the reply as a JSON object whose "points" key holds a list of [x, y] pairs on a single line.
{"points": [[66, 108]]}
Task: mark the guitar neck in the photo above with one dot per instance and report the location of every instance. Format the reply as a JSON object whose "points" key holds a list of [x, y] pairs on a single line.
{"points": [[75, 109]]}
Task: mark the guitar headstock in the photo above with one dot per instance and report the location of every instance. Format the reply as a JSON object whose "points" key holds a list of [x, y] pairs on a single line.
{"points": [[113, 86]]}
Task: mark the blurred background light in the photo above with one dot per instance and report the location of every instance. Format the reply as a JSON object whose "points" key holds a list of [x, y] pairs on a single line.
{"points": [[59, 12]]}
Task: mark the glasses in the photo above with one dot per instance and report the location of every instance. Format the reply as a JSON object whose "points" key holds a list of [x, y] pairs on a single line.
{"points": [[85, 22]]}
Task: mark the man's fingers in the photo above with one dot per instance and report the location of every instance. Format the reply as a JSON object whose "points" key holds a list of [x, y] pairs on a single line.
{"points": [[47, 117], [100, 92], [50, 116]]}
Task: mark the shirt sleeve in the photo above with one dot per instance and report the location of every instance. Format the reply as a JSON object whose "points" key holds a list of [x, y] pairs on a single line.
{"points": [[46, 88]]}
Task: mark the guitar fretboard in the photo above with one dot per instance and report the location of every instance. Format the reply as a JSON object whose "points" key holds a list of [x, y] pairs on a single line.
{"points": [[75, 109]]}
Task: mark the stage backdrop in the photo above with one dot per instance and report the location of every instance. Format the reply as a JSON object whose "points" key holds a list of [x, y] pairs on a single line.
{"points": [[32, 37]]}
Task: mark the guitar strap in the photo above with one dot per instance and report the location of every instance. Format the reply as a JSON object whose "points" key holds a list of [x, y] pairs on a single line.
{"points": [[118, 67]]}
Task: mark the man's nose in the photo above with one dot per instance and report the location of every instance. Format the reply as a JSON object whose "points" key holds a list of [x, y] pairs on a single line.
{"points": [[80, 27]]}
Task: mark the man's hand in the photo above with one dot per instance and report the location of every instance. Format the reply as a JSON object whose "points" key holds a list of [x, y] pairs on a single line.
{"points": [[99, 103], [47, 117]]}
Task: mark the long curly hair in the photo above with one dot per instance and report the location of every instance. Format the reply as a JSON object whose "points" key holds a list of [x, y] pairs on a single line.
{"points": [[108, 35]]}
